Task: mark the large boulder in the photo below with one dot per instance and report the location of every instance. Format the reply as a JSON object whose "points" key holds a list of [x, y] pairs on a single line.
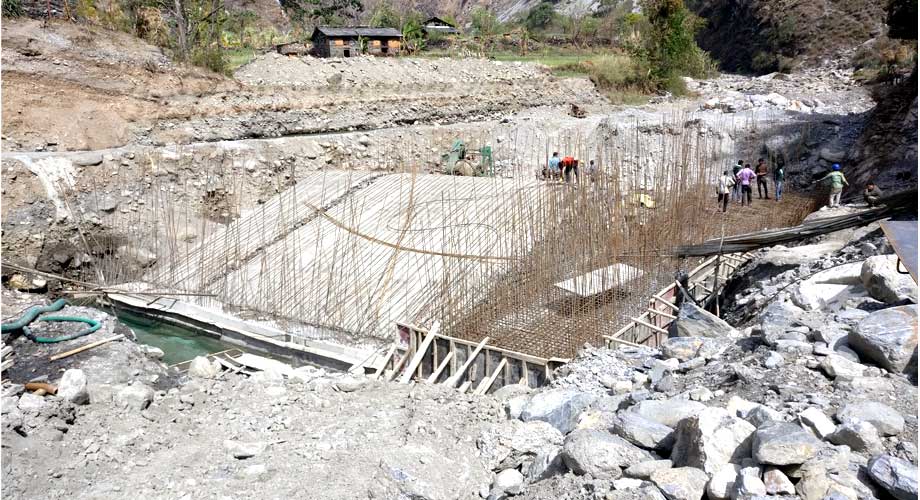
{"points": [[886, 419], [600, 454], [723, 482], [693, 321], [643, 432], [830, 289], [836, 366], [72, 387], [682, 483], [897, 476], [507, 482], [881, 278], [202, 367], [859, 436], [559, 407], [889, 338], [667, 412], [513, 443], [134, 397], [711, 439], [682, 348], [782, 443]]}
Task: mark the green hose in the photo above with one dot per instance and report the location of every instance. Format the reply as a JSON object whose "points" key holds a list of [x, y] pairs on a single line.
{"points": [[31, 314]]}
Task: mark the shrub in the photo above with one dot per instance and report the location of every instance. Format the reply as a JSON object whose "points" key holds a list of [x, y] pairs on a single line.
{"points": [[12, 8]]}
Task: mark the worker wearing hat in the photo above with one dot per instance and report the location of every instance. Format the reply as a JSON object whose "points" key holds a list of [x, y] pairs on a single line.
{"points": [[837, 181]]}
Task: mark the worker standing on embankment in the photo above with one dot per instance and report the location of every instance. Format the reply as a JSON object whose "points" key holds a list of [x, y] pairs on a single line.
{"points": [[837, 181]]}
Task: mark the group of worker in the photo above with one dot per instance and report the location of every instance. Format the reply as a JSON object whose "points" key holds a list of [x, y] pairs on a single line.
{"points": [[566, 168], [737, 184]]}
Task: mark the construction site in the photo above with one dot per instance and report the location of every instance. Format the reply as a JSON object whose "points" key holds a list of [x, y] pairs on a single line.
{"points": [[391, 229]]}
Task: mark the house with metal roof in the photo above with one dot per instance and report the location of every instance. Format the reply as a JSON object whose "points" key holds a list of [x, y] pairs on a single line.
{"points": [[438, 25], [353, 41]]}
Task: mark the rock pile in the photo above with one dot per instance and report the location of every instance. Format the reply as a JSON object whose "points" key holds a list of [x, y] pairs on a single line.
{"points": [[808, 399]]}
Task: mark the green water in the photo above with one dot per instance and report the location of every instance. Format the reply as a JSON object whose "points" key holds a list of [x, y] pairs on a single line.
{"points": [[178, 344]]}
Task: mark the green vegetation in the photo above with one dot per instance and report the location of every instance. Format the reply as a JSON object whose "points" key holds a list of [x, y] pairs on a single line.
{"points": [[12, 8]]}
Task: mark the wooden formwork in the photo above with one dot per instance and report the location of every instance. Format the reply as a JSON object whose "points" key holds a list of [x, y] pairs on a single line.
{"points": [[424, 355], [651, 327]]}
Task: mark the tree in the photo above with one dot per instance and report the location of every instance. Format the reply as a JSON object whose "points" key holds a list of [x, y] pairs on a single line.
{"points": [[324, 12], [413, 32], [385, 16], [486, 26], [670, 45], [539, 17]]}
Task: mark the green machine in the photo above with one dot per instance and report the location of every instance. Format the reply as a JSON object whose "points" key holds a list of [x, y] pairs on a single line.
{"points": [[459, 161]]}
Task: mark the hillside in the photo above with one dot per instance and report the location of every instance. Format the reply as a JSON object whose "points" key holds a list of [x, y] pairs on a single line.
{"points": [[761, 36]]}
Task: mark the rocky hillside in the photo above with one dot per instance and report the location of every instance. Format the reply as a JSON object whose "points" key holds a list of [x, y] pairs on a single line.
{"points": [[886, 151], [766, 35]]}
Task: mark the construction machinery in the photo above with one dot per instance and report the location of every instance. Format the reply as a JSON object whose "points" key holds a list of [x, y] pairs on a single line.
{"points": [[461, 161]]}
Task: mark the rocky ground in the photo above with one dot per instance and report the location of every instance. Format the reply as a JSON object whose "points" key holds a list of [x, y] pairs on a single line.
{"points": [[807, 391]]}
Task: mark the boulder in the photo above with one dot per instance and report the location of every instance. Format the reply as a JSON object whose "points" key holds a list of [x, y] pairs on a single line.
{"points": [[627, 483], [644, 470], [242, 450], [898, 477], [30, 402], [682, 348], [887, 420], [748, 484], [600, 454], [782, 443], [87, 159], [545, 464], [661, 368], [201, 367], [776, 483], [830, 289], [693, 321], [880, 277], [860, 436], [888, 338], [134, 397], [818, 422], [513, 443], [72, 387], [643, 432], [711, 439], [723, 482], [762, 413], [682, 483], [559, 407], [836, 366], [667, 412], [507, 482]]}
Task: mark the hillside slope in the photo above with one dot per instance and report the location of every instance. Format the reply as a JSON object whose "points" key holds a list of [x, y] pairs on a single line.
{"points": [[761, 36]]}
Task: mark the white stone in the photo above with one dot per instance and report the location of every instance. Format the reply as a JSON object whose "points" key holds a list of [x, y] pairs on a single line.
{"points": [[72, 387], [201, 367], [818, 422]]}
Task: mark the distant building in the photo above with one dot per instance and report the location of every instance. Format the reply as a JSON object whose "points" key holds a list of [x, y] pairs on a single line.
{"points": [[438, 25], [349, 42]]}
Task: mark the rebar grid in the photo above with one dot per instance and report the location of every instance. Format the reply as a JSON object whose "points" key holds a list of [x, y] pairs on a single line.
{"points": [[346, 254]]}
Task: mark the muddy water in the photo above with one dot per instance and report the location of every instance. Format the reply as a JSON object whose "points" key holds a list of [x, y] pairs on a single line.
{"points": [[178, 344]]}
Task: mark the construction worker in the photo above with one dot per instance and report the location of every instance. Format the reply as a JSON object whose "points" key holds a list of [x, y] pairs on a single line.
{"points": [[779, 179], [592, 170], [553, 165], [872, 194], [761, 171], [736, 190], [569, 165], [837, 182], [726, 186], [746, 177]]}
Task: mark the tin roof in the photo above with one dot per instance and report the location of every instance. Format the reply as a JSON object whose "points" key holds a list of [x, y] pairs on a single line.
{"points": [[356, 32]]}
